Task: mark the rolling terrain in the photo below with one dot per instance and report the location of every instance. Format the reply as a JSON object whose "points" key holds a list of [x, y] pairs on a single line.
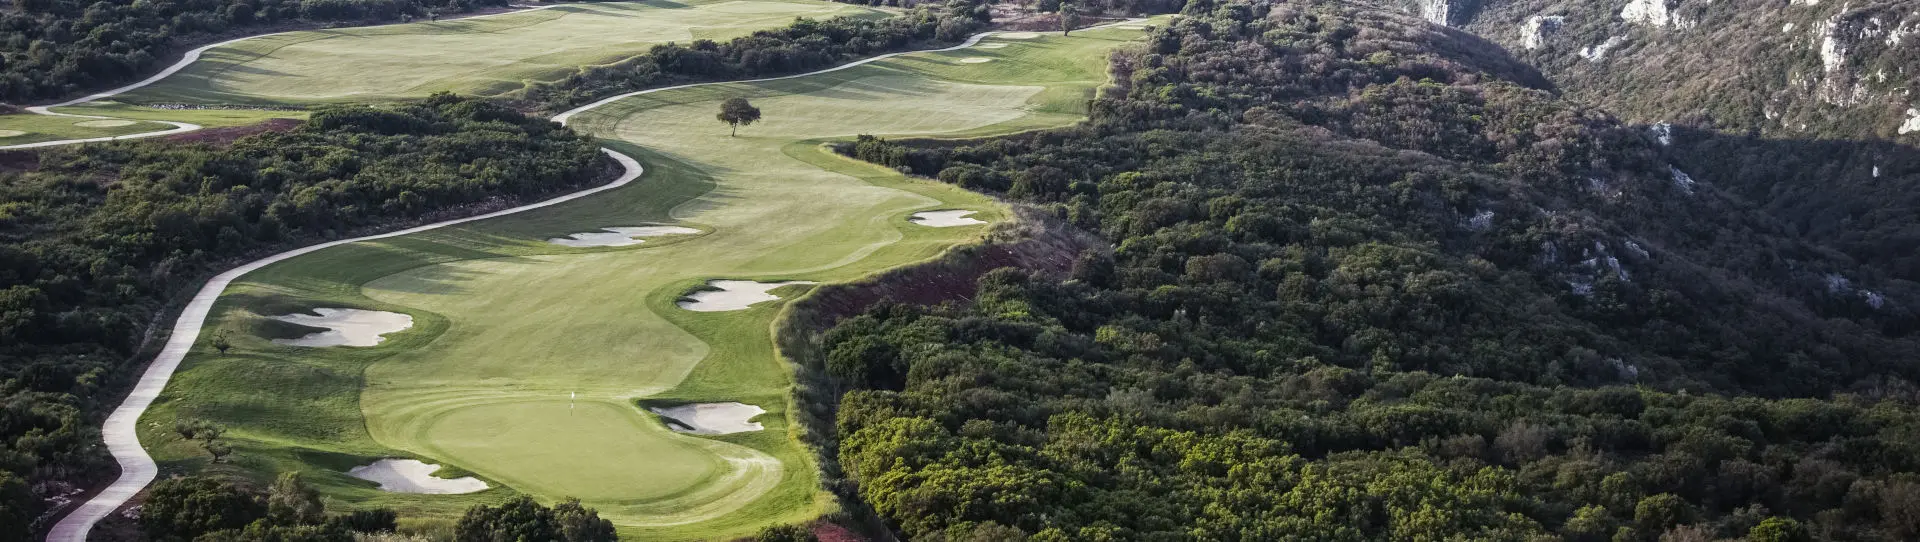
{"points": [[527, 362]]}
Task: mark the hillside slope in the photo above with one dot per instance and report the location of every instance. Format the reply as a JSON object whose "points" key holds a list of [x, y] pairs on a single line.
{"points": [[1801, 69], [1367, 281]]}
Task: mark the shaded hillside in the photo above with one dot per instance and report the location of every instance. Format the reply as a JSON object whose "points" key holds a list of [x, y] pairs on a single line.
{"points": [[1365, 282], [1801, 68], [1859, 198]]}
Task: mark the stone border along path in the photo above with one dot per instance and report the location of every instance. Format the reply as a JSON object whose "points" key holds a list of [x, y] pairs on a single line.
{"points": [[120, 432]]}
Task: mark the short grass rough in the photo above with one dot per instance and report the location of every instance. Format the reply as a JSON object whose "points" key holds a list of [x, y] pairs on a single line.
{"points": [[527, 360]]}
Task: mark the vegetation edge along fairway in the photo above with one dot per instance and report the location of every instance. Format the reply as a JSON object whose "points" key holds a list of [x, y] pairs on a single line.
{"points": [[310, 424]]}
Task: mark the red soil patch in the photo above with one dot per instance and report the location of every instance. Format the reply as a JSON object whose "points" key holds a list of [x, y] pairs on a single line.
{"points": [[226, 135], [830, 532], [1047, 247]]}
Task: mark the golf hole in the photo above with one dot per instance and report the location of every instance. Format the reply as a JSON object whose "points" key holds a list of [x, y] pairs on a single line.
{"points": [[945, 219], [711, 418], [345, 327], [104, 123], [413, 476], [733, 295], [619, 236]]}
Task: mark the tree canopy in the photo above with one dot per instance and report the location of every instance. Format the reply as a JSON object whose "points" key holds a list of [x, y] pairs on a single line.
{"points": [[737, 112]]}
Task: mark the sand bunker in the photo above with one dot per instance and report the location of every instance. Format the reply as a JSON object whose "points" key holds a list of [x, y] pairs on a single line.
{"points": [[11, 133], [346, 327], [945, 219], [411, 476], [1020, 35], [733, 295], [711, 418], [104, 123], [976, 60], [619, 236], [1132, 27], [992, 46]]}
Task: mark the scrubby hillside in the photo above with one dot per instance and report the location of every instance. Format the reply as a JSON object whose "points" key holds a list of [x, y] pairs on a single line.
{"points": [[1799, 69], [1367, 280]]}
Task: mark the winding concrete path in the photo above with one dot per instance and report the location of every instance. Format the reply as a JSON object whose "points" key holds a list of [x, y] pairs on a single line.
{"points": [[137, 469]]}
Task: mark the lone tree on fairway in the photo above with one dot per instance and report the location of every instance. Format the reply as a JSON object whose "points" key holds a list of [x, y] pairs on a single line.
{"points": [[1069, 18], [736, 112]]}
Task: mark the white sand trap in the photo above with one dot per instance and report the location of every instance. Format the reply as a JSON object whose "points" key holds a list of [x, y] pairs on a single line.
{"points": [[976, 60], [104, 123], [346, 327], [412, 476], [733, 295], [11, 133], [1020, 35], [619, 236], [945, 219], [1132, 27], [712, 418], [992, 46]]}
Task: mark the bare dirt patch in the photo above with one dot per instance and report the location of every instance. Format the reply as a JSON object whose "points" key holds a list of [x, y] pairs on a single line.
{"points": [[226, 135]]}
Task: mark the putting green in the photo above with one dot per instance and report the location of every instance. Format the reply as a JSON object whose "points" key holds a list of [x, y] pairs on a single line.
{"points": [[527, 357], [480, 56]]}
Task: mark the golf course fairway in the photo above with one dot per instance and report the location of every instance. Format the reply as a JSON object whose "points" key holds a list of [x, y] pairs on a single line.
{"points": [[482, 56], [527, 361]]}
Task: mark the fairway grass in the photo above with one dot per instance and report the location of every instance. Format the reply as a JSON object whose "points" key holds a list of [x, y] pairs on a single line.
{"points": [[526, 358], [19, 128], [480, 56]]}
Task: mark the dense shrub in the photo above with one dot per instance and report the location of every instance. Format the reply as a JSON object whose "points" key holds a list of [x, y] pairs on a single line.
{"points": [[1366, 280]]}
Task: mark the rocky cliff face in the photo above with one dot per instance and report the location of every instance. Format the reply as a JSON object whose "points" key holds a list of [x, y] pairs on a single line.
{"points": [[1792, 68], [1446, 12]]}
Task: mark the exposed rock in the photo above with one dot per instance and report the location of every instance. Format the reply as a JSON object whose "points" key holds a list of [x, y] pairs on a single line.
{"points": [[1599, 52], [1448, 12], [1654, 12], [1534, 34], [1662, 132], [1682, 180], [1480, 221], [1849, 43], [1913, 122]]}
